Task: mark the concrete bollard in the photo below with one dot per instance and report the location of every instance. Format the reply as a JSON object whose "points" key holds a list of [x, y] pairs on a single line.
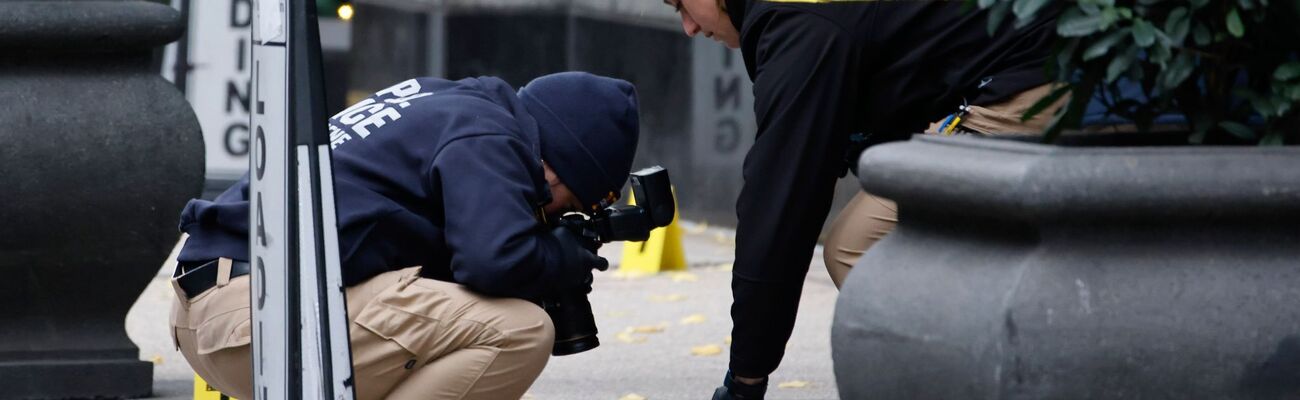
{"points": [[99, 156], [1028, 271]]}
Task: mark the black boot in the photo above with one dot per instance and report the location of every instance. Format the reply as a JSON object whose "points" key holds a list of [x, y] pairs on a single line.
{"points": [[732, 389]]}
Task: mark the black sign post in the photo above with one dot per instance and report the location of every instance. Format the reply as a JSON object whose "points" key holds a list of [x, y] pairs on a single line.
{"points": [[300, 338]]}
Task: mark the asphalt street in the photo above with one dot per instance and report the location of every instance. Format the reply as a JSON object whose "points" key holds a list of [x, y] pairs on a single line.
{"points": [[662, 337]]}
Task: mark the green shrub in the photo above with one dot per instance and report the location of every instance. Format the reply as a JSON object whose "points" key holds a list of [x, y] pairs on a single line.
{"points": [[1230, 66]]}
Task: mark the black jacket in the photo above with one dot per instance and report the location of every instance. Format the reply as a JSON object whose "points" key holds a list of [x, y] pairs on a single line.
{"points": [[823, 72]]}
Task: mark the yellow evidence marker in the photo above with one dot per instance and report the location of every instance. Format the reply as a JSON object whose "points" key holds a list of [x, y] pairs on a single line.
{"points": [[661, 252], [204, 392]]}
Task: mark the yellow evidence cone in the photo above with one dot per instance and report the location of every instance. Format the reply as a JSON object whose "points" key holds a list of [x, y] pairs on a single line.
{"points": [[661, 252], [204, 392]]}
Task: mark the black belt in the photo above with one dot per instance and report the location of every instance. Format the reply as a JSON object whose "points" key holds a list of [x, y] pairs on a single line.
{"points": [[196, 280]]}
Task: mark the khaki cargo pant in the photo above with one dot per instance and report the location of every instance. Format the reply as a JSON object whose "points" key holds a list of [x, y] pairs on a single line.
{"points": [[867, 218], [412, 338]]}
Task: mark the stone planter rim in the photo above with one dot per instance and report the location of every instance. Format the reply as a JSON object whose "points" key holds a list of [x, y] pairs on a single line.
{"points": [[1035, 183], [79, 26]]}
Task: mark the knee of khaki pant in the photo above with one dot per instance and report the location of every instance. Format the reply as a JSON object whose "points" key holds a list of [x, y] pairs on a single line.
{"points": [[535, 329], [865, 220]]}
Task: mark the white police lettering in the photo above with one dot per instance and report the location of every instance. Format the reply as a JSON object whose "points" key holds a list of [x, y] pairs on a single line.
{"points": [[407, 88], [374, 112], [375, 120], [337, 137]]}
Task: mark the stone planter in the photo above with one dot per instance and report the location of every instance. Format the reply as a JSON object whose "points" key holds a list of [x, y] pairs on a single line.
{"points": [[99, 156], [1027, 271]]}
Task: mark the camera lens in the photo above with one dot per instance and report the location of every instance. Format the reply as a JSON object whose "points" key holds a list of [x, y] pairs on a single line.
{"points": [[574, 346], [575, 326]]}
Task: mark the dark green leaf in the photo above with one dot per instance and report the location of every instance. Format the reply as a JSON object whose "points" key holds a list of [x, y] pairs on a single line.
{"points": [[1144, 33], [1197, 4], [1089, 8], [1160, 53], [1293, 92], [1177, 72], [986, 3], [1072, 113], [1064, 59], [1120, 64], [1274, 138], [1288, 71], [1125, 12], [1026, 9], [1262, 105], [1045, 102], [1109, 17], [1202, 35], [997, 14], [1177, 25], [1200, 128], [1076, 24], [1235, 26], [1103, 45], [1238, 130]]}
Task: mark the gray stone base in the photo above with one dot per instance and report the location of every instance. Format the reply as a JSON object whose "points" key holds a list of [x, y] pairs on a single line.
{"points": [[75, 379]]}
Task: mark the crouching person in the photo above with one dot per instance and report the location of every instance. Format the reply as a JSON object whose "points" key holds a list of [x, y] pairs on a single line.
{"points": [[443, 190]]}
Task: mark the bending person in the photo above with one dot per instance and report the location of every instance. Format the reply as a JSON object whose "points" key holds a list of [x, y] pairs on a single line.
{"points": [[443, 190], [831, 78]]}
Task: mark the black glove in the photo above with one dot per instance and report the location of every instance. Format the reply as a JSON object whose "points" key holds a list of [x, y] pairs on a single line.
{"points": [[732, 389], [575, 270]]}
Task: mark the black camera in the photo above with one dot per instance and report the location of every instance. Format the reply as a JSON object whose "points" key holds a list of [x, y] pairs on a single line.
{"points": [[575, 326]]}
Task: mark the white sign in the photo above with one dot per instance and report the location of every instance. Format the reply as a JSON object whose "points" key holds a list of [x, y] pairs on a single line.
{"points": [[272, 21], [218, 83], [300, 327], [269, 199]]}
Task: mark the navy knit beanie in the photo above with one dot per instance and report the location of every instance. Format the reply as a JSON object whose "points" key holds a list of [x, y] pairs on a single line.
{"points": [[588, 126]]}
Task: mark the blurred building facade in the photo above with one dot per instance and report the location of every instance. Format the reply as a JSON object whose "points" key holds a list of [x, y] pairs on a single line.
{"points": [[696, 100]]}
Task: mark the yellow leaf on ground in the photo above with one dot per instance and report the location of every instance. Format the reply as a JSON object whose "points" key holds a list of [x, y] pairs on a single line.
{"points": [[632, 396], [616, 314], [697, 228], [629, 274], [793, 385], [157, 360], [684, 277], [727, 339], [667, 298], [706, 350], [693, 319], [725, 267], [628, 337], [648, 328]]}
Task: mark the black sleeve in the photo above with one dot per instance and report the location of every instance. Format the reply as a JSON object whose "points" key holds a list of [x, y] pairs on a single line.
{"points": [[805, 92]]}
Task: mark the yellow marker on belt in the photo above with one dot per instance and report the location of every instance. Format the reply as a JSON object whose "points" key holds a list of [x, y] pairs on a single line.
{"points": [[661, 252], [204, 392]]}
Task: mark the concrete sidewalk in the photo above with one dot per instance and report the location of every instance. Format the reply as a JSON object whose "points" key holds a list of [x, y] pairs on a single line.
{"points": [[662, 337]]}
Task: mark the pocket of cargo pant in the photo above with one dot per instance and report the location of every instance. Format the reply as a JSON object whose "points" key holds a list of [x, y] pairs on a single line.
{"points": [[226, 330], [415, 333]]}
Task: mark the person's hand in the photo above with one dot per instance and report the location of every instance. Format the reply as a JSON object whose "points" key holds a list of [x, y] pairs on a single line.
{"points": [[575, 273], [734, 388]]}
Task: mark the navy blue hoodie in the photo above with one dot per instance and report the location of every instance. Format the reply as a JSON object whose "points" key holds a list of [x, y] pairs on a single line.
{"points": [[441, 174]]}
